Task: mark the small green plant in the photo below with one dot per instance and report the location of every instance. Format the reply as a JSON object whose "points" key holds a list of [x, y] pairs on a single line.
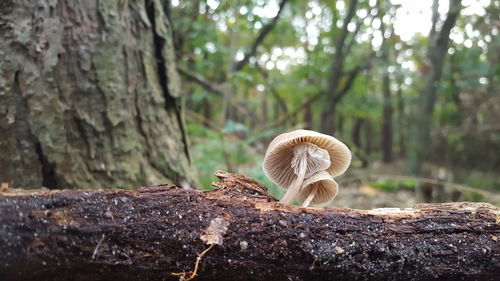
{"points": [[222, 150]]}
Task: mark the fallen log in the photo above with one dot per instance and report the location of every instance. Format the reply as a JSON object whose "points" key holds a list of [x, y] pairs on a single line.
{"points": [[237, 232]]}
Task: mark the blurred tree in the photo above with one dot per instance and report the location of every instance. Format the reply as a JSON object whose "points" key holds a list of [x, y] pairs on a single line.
{"points": [[334, 91], [431, 72], [89, 95], [254, 67]]}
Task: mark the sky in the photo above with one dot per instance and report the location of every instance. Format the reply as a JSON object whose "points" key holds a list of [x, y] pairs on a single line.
{"points": [[414, 16]]}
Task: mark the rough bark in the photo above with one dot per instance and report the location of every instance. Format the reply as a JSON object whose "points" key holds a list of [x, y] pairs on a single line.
{"points": [[243, 234], [89, 95]]}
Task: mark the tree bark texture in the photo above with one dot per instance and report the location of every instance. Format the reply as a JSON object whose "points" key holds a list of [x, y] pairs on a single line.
{"points": [[158, 233], [89, 95]]}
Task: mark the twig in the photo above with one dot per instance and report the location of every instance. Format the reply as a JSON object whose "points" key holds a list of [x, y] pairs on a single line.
{"points": [[208, 85], [196, 266], [97, 247]]}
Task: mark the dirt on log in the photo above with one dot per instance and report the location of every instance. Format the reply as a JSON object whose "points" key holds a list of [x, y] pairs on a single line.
{"points": [[237, 232]]}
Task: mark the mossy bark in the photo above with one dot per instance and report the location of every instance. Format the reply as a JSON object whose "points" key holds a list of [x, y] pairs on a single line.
{"points": [[89, 95]]}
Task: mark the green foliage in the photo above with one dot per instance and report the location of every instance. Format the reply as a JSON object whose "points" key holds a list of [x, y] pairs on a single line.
{"points": [[294, 64], [213, 150], [392, 186]]}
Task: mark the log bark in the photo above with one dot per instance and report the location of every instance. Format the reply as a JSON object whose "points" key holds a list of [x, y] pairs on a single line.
{"points": [[159, 232]]}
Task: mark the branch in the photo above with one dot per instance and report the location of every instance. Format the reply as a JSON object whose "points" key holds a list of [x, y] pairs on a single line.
{"points": [[351, 76], [167, 233], [291, 114], [434, 18], [260, 38], [453, 12], [349, 82], [272, 90], [209, 86]]}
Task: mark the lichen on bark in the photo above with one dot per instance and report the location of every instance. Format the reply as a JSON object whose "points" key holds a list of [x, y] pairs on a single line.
{"points": [[83, 99]]}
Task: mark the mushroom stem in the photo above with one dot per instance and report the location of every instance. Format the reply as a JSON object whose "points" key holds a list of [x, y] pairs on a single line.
{"points": [[310, 197], [294, 188]]}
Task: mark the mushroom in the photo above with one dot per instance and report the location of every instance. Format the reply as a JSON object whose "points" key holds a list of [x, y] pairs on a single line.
{"points": [[297, 155], [319, 188]]}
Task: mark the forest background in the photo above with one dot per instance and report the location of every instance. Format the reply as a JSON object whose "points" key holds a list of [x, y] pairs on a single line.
{"points": [[411, 86], [123, 94]]}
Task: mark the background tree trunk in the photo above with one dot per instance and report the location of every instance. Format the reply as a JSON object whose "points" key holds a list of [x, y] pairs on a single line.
{"points": [[368, 137], [245, 234], [356, 132], [328, 114], [387, 121], [89, 95], [419, 140], [401, 121]]}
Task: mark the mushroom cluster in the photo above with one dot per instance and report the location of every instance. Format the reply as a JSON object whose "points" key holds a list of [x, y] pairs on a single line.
{"points": [[304, 163]]}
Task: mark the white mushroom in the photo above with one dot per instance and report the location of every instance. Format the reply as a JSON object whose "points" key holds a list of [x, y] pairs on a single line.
{"points": [[317, 189], [294, 156]]}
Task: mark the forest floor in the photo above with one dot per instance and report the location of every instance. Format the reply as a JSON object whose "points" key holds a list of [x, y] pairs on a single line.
{"points": [[367, 197], [382, 186]]}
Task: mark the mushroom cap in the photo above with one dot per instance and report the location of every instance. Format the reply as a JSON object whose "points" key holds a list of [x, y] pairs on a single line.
{"points": [[279, 154], [326, 188]]}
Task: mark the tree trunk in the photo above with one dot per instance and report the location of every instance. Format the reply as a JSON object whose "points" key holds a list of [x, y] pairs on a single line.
{"points": [[328, 121], [387, 121], [368, 137], [328, 114], [308, 117], [356, 132], [265, 110], [207, 112], [422, 117], [401, 121], [238, 232], [89, 95]]}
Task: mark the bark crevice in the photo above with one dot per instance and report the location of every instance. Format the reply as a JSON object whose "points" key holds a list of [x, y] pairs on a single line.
{"points": [[171, 102]]}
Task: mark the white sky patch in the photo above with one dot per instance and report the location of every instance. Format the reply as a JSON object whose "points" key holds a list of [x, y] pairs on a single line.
{"points": [[240, 55], [243, 10], [213, 4], [474, 7], [414, 16], [268, 11]]}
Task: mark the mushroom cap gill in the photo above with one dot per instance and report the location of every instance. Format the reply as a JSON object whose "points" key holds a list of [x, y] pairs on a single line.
{"points": [[279, 154]]}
